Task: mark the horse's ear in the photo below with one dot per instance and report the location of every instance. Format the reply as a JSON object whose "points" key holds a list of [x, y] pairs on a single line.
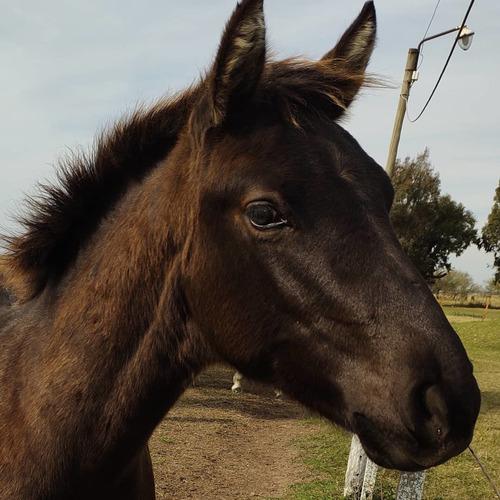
{"points": [[353, 50], [239, 62]]}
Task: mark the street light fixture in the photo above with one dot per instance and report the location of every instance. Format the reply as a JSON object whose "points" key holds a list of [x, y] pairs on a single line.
{"points": [[464, 39]]}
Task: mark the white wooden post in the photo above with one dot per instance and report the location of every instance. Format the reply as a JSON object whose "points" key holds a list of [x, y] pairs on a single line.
{"points": [[361, 474], [369, 479], [355, 471], [411, 486]]}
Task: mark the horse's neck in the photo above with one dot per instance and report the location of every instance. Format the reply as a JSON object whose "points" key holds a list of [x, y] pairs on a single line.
{"points": [[115, 351]]}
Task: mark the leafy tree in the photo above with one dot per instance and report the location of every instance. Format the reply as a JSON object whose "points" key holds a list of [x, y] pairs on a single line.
{"points": [[456, 283], [491, 234], [430, 226], [493, 287]]}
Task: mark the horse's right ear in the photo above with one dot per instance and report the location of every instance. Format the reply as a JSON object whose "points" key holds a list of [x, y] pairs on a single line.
{"points": [[238, 65]]}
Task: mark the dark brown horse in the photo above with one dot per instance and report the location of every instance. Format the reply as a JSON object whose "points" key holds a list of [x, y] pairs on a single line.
{"points": [[236, 222]]}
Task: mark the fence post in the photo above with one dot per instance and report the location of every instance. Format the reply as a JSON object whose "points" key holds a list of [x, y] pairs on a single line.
{"points": [[411, 486], [487, 305], [355, 471], [369, 479], [361, 474]]}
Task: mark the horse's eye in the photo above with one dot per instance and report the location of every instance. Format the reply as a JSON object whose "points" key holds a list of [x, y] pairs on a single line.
{"points": [[263, 215]]}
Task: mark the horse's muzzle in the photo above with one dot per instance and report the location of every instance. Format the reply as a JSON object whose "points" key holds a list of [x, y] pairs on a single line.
{"points": [[441, 426]]}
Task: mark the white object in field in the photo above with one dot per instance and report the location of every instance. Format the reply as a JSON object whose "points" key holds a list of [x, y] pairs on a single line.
{"points": [[369, 479], [355, 471], [236, 387], [361, 475], [237, 377], [411, 486]]}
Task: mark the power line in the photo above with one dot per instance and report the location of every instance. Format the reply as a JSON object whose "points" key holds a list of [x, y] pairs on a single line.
{"points": [[421, 55], [445, 65], [432, 18]]}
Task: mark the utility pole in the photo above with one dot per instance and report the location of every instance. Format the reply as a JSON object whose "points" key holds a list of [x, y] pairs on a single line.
{"points": [[464, 40], [410, 69]]}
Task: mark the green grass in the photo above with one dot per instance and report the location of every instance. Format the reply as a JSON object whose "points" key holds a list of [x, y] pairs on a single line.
{"points": [[325, 452]]}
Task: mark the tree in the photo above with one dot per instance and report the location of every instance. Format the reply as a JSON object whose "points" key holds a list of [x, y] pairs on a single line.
{"points": [[493, 287], [456, 283], [430, 226], [491, 234]]}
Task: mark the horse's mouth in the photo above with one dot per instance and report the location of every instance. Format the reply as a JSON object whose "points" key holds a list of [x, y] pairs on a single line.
{"points": [[385, 447], [400, 449]]}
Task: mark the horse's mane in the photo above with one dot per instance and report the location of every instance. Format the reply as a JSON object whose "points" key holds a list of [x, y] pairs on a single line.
{"points": [[63, 216]]}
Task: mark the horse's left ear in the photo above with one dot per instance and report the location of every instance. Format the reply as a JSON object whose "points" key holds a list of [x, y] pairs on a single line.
{"points": [[239, 62], [353, 50]]}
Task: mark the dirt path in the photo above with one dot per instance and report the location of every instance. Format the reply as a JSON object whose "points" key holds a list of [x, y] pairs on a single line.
{"points": [[218, 445]]}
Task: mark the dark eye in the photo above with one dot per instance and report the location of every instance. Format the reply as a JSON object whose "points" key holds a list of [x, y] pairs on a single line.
{"points": [[263, 215]]}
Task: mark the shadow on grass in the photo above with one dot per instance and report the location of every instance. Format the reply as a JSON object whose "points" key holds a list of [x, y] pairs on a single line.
{"points": [[201, 420], [247, 404], [490, 400]]}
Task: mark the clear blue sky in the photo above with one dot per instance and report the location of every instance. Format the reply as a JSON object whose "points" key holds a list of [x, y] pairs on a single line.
{"points": [[71, 68]]}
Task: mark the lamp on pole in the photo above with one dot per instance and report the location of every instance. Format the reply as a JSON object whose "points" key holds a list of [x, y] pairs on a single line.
{"points": [[410, 75]]}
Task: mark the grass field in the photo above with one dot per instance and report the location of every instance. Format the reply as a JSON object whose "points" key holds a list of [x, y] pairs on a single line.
{"points": [[325, 453]]}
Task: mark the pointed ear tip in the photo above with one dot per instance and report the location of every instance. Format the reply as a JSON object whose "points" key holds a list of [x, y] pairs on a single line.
{"points": [[369, 8], [259, 4], [248, 6]]}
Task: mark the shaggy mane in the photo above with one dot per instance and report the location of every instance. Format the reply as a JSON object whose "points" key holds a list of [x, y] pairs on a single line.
{"points": [[63, 216]]}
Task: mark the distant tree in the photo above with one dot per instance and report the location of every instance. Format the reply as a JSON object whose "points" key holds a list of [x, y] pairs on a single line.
{"points": [[430, 226], [493, 287], [456, 283], [491, 234]]}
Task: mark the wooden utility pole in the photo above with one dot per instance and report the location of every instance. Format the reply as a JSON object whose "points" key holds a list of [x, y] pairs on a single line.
{"points": [[411, 67]]}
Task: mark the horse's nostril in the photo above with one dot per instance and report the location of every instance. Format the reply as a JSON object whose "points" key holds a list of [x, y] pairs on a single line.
{"points": [[434, 414], [434, 402]]}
